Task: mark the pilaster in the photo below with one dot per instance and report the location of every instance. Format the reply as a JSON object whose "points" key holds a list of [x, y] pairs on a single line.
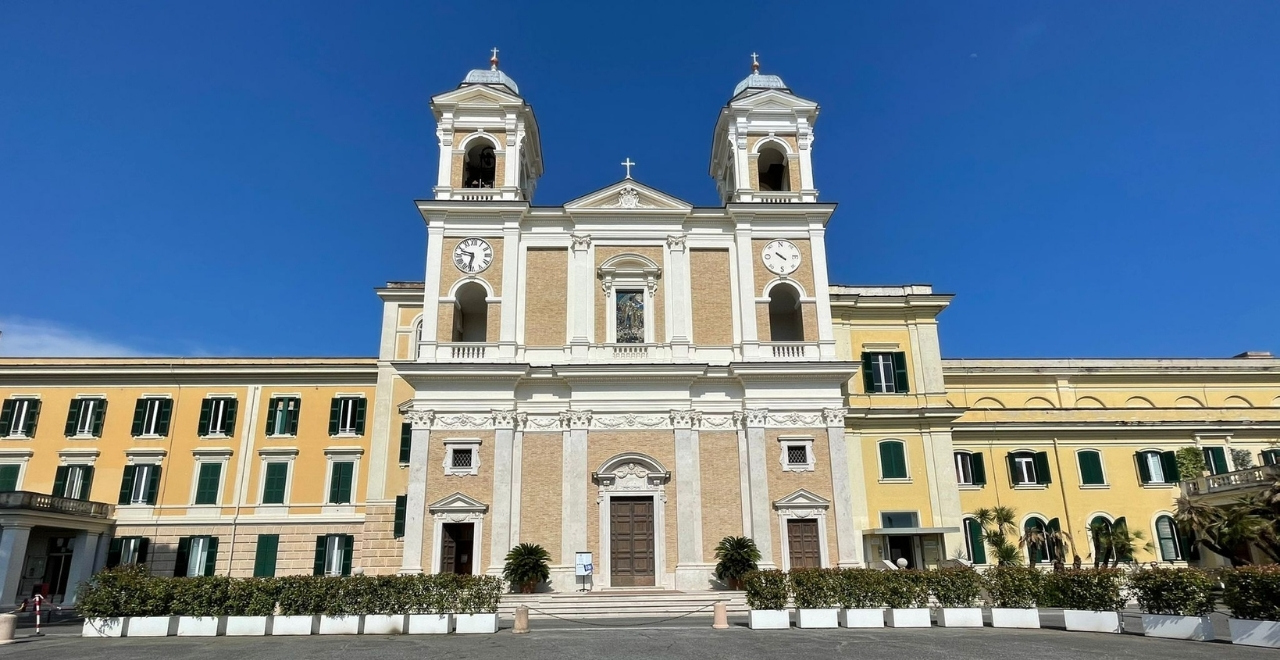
{"points": [[416, 497], [678, 284], [848, 536], [692, 571], [581, 303], [746, 290], [761, 525], [431, 292], [505, 423], [574, 486]]}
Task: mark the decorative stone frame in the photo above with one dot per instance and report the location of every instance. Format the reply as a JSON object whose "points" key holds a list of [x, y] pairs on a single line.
{"points": [[141, 456], [102, 400], [458, 508], [461, 444], [221, 456], [335, 455], [629, 271], [906, 462], [803, 505], [788, 441], [632, 474], [27, 434], [357, 396], [20, 458], [275, 455]]}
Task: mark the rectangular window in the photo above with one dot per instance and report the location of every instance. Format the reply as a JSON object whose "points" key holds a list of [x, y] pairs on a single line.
{"points": [[1270, 456], [197, 556], [460, 459], [1157, 467], [333, 554], [797, 455], [1029, 468], [210, 477], [1215, 458], [264, 558], [9, 477], [127, 550], [1091, 468], [282, 415], [346, 415], [151, 417], [1025, 471], [402, 502], [275, 481], [893, 460], [84, 419], [884, 373], [217, 417], [18, 417], [340, 482], [964, 468], [899, 519], [406, 442], [140, 484], [73, 481]]}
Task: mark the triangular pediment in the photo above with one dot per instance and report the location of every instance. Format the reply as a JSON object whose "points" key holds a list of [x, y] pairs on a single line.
{"points": [[477, 95], [802, 499], [773, 100], [628, 195], [458, 503]]}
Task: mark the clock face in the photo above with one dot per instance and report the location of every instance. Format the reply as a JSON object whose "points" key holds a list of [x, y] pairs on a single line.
{"points": [[473, 255], [781, 257]]}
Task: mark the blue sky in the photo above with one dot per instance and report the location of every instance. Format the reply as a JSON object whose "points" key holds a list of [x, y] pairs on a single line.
{"points": [[234, 178]]}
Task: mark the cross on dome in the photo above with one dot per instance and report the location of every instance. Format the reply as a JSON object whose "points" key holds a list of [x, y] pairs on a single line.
{"points": [[755, 63], [493, 61], [627, 164]]}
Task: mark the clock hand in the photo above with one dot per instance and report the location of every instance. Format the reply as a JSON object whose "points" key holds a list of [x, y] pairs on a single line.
{"points": [[780, 256]]}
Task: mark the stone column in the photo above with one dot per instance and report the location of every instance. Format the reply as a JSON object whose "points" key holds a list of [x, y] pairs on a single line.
{"points": [[848, 537], [509, 294], [679, 290], [505, 423], [13, 554], [84, 551], [761, 527], [431, 294], [582, 292], [416, 499], [746, 289], [857, 487], [744, 474], [574, 491], [691, 569]]}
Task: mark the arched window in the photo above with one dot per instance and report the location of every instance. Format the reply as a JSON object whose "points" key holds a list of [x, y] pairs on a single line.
{"points": [[470, 313], [1168, 540], [1034, 535], [479, 165], [786, 320], [417, 339], [772, 164], [1100, 532], [973, 541], [893, 460]]}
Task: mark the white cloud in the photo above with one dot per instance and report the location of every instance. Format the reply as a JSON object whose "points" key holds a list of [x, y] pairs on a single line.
{"points": [[21, 337]]}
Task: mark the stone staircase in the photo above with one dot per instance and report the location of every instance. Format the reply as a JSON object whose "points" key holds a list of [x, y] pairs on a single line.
{"points": [[622, 603]]}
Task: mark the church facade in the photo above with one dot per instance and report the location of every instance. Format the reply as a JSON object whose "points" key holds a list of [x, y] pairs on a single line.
{"points": [[626, 375]]}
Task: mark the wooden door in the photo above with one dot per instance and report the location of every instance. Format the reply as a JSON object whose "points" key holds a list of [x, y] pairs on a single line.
{"points": [[456, 548], [631, 551], [802, 542]]}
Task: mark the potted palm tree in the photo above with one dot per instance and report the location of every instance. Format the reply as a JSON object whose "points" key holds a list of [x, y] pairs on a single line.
{"points": [[998, 523], [528, 565], [735, 557]]}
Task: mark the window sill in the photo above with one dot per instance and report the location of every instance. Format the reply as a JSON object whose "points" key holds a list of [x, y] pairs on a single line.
{"points": [[797, 468], [215, 436], [461, 473], [83, 436], [1030, 486], [347, 434], [18, 436], [895, 480], [1095, 486], [1159, 485], [148, 437], [971, 486]]}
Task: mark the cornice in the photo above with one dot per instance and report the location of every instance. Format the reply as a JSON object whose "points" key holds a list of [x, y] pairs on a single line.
{"points": [[16, 372]]}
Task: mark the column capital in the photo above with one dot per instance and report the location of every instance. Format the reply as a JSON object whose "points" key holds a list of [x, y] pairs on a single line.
{"points": [[755, 417], [676, 242], [686, 419], [834, 416], [580, 242], [509, 419], [575, 419], [420, 419]]}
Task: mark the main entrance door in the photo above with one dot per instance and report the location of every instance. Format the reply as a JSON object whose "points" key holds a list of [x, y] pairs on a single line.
{"points": [[456, 547], [631, 549], [802, 543]]}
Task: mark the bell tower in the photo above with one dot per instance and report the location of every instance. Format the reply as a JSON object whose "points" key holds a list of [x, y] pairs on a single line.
{"points": [[760, 151], [489, 146]]}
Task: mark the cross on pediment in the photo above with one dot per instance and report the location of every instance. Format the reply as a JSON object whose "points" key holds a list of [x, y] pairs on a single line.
{"points": [[627, 164]]}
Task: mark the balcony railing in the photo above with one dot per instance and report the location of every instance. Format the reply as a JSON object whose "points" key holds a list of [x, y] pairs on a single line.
{"points": [[467, 351], [1254, 477], [789, 350], [21, 499]]}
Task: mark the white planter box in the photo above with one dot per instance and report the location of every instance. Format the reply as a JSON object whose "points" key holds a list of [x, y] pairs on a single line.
{"points": [[430, 624], [1196, 628], [147, 626], [862, 618], [103, 627], [1255, 633], [1087, 621], [246, 626], [465, 624], [197, 626], [823, 618], [291, 625], [960, 617], [769, 619], [384, 624], [910, 617], [342, 624], [1015, 617]]}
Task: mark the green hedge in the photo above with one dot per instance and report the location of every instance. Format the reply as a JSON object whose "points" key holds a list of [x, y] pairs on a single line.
{"points": [[1013, 586], [1175, 591], [955, 587], [1253, 592], [815, 588], [767, 590], [1093, 589], [860, 588], [906, 588], [131, 591]]}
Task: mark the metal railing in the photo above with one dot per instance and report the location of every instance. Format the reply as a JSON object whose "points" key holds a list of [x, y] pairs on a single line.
{"points": [[1228, 481], [22, 499]]}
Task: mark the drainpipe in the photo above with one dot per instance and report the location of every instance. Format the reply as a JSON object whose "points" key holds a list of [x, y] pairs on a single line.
{"points": [[1066, 511]]}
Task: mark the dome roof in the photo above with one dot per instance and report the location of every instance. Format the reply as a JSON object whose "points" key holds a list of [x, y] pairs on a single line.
{"points": [[760, 81], [490, 77]]}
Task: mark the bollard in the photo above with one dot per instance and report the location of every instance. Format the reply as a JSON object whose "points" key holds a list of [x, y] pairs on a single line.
{"points": [[8, 625], [721, 621], [522, 620]]}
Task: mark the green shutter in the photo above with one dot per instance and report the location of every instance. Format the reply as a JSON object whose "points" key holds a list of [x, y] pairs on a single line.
{"points": [[977, 550], [893, 463], [360, 408], [206, 411], [139, 412], [211, 557], [979, 470], [1042, 468], [406, 442], [126, 484], [207, 483], [6, 416], [335, 408], [184, 557], [166, 409], [33, 415], [1144, 471], [144, 547], [73, 416], [60, 481], [293, 415], [868, 375], [86, 485], [1090, 467], [318, 568], [900, 373], [1216, 457], [348, 551], [1169, 462], [99, 415], [402, 502], [1270, 456], [229, 425], [340, 483], [114, 550], [272, 407], [264, 559], [9, 478], [275, 481], [1011, 463], [153, 484]]}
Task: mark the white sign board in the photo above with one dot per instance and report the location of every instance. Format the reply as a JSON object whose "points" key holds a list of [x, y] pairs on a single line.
{"points": [[582, 564]]}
